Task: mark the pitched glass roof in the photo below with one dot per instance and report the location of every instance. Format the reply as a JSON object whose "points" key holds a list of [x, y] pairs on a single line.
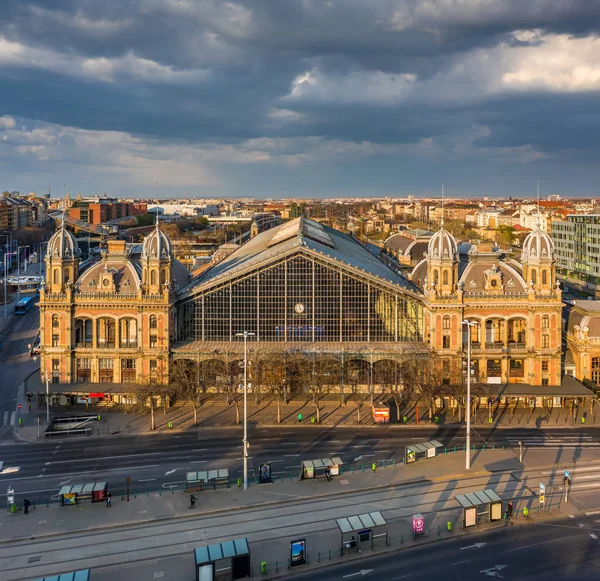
{"points": [[301, 232]]}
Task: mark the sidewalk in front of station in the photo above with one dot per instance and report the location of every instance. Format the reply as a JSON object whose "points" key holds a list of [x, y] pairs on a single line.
{"points": [[153, 507], [216, 413]]}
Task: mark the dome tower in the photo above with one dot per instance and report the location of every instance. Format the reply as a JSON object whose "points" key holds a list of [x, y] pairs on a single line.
{"points": [[157, 261], [62, 260]]}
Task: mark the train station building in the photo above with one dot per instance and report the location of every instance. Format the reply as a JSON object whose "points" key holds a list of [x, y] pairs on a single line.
{"points": [[314, 300]]}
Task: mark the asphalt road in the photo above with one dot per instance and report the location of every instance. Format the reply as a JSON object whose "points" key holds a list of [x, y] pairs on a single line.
{"points": [[161, 460], [563, 549], [559, 549], [15, 365]]}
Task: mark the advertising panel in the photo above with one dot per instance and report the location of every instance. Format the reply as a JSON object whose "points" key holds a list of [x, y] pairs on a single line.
{"points": [[470, 517], [410, 456], [264, 474], [298, 552]]}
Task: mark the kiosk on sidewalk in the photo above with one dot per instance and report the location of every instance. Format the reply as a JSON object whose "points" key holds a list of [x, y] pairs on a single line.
{"points": [[424, 450], [72, 494], [315, 468], [381, 413], [223, 561], [83, 575], [483, 504], [363, 531], [198, 481]]}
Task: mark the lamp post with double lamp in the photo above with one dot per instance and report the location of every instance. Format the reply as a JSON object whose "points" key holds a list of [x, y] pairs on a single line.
{"points": [[7, 249], [469, 325], [19, 271], [245, 335], [6, 254]]}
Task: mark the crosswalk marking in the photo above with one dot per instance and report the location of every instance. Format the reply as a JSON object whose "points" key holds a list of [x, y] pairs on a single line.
{"points": [[12, 418], [5, 418]]}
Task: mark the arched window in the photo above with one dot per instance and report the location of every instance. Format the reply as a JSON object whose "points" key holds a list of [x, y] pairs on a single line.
{"points": [[162, 276], [446, 322], [106, 332], [445, 277], [545, 322], [55, 321], [83, 332], [66, 276], [436, 277], [534, 276], [544, 277], [153, 322], [153, 277], [128, 332], [56, 276]]}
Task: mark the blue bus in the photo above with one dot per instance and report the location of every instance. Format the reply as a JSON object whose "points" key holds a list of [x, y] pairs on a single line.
{"points": [[24, 305]]}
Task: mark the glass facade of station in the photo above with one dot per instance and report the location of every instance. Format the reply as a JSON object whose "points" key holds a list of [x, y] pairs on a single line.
{"points": [[302, 299]]}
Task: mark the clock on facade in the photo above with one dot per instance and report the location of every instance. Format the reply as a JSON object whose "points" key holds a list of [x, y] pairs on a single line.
{"points": [[299, 308]]}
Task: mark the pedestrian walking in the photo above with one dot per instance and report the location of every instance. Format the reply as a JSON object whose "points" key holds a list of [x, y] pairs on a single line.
{"points": [[108, 500], [509, 510], [26, 504], [328, 474], [192, 501]]}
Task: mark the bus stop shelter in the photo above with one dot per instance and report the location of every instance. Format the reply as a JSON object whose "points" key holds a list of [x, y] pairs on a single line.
{"points": [[223, 561], [198, 481], [74, 493], [363, 531], [315, 468], [425, 450], [83, 575], [481, 506]]}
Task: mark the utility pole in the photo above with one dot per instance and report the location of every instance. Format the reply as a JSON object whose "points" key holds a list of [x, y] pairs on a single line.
{"points": [[245, 335]]}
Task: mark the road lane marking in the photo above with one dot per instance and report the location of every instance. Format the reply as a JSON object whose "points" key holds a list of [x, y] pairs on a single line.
{"points": [[199, 449], [146, 479], [581, 525], [562, 539], [290, 455], [461, 562], [12, 418], [592, 513], [199, 462], [593, 536]]}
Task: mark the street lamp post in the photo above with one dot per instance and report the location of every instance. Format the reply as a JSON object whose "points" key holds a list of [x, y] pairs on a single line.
{"points": [[469, 324], [245, 335], [7, 249], [19, 272]]}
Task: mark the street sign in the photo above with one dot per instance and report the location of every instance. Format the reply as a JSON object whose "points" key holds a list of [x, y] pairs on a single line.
{"points": [[542, 498], [542, 488], [567, 474]]}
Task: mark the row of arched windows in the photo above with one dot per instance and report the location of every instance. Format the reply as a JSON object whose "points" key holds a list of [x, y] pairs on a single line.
{"points": [[109, 332]]}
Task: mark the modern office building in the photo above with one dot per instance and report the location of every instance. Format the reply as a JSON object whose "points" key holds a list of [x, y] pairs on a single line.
{"points": [[577, 248]]}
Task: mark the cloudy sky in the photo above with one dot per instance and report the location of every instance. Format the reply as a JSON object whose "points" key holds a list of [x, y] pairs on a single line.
{"points": [[315, 98]]}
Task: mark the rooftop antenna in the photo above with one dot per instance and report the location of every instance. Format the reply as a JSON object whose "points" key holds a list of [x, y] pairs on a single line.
{"points": [[157, 204], [442, 222], [539, 218]]}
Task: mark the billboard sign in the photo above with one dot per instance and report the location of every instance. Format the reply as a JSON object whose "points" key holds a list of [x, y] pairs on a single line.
{"points": [[264, 474], [298, 552]]}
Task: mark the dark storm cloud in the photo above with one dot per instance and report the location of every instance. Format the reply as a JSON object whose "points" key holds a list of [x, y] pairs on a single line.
{"points": [[199, 72]]}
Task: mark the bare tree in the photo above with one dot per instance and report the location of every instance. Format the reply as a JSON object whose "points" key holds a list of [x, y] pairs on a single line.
{"points": [[273, 377], [229, 382], [148, 392], [428, 379], [184, 377], [324, 374]]}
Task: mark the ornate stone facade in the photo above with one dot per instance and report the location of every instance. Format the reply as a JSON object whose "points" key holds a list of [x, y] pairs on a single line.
{"points": [[110, 321]]}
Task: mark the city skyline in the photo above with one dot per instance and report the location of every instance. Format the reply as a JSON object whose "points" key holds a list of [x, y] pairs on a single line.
{"points": [[307, 100]]}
